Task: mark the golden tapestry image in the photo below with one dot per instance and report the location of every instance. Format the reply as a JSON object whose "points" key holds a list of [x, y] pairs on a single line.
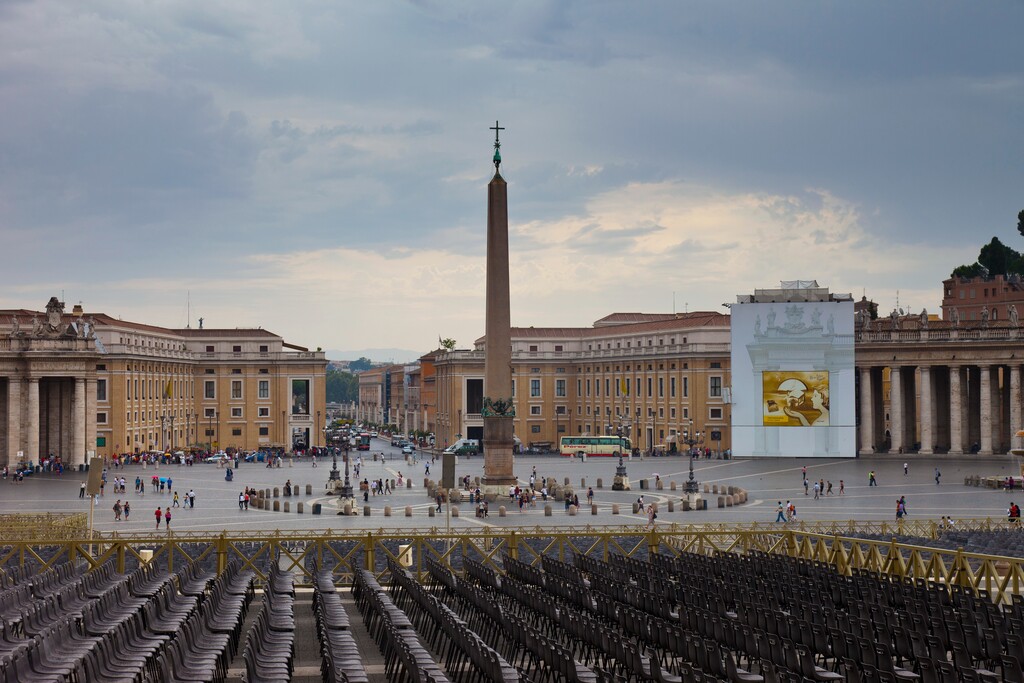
{"points": [[795, 398]]}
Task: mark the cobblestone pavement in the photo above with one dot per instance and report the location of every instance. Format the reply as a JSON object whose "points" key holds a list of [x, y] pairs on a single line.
{"points": [[766, 480]]}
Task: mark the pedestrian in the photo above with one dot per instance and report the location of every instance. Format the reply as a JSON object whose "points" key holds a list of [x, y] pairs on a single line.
{"points": [[241, 501], [590, 495], [246, 500], [806, 487], [169, 482], [191, 499], [1013, 515], [438, 500], [817, 490], [175, 503], [781, 512], [159, 514], [640, 504], [899, 509], [906, 469], [651, 516], [167, 518], [138, 484], [871, 479], [829, 491], [791, 512], [938, 475], [127, 510], [117, 511], [81, 491]]}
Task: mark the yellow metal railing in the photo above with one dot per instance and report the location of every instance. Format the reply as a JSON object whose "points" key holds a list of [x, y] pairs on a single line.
{"points": [[344, 552], [43, 525]]}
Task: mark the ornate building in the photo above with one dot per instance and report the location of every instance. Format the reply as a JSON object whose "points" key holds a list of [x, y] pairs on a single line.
{"points": [[71, 384]]}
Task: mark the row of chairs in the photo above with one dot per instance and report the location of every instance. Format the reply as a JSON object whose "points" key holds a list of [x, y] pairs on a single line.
{"points": [[340, 660], [269, 653], [406, 660]]}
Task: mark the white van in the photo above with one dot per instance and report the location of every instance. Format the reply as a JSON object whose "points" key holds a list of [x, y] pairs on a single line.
{"points": [[464, 446]]}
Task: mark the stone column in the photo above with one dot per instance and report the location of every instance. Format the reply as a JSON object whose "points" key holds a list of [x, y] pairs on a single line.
{"points": [[31, 439], [985, 394], [78, 423], [896, 409], [867, 415], [1015, 407], [14, 407], [927, 432], [90, 419], [956, 412]]}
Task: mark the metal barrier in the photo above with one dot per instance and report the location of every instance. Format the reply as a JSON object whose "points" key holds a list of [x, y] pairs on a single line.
{"points": [[44, 525], [346, 551]]}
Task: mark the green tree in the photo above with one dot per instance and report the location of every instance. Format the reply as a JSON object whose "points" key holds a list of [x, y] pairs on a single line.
{"points": [[342, 387], [995, 258], [363, 363], [1020, 223], [448, 344]]}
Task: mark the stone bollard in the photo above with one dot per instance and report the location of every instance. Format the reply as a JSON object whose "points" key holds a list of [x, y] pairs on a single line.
{"points": [[408, 510], [266, 493], [572, 510], [686, 504], [366, 511], [277, 506], [501, 511], [593, 508], [277, 492], [426, 483], [317, 508], [643, 483], [347, 510], [566, 482], [731, 490], [671, 506], [387, 510], [455, 511], [728, 501], [430, 512], [392, 484], [287, 506], [672, 486], [636, 508], [721, 501], [707, 489], [615, 509], [309, 489], [583, 482], [600, 483], [659, 484], [714, 488], [299, 508], [408, 483], [547, 510]]}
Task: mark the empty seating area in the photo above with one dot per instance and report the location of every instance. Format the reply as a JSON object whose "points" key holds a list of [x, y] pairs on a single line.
{"points": [[66, 624], [1005, 542]]}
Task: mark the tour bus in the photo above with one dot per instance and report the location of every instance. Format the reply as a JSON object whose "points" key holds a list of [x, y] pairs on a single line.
{"points": [[613, 446], [363, 443]]}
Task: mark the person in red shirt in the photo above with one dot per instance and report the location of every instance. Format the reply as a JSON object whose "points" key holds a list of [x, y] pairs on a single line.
{"points": [[159, 514]]}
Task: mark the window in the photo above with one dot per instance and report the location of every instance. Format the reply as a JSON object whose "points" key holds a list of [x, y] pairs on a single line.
{"points": [[264, 431], [209, 349], [686, 387], [661, 387], [560, 371], [101, 390], [534, 388], [650, 386], [264, 348], [607, 387], [561, 428], [101, 366], [209, 432], [101, 418], [236, 432], [263, 412], [672, 387], [715, 388], [673, 414], [558, 347], [513, 388], [264, 388], [560, 388], [588, 387], [101, 442], [579, 387], [716, 364], [535, 429], [236, 349], [209, 389], [534, 410], [715, 414], [264, 371], [210, 371], [535, 370], [236, 412], [236, 388], [686, 413], [209, 412], [474, 396], [533, 348], [236, 371]]}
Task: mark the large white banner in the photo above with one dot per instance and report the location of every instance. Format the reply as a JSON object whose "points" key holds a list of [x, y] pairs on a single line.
{"points": [[793, 379]]}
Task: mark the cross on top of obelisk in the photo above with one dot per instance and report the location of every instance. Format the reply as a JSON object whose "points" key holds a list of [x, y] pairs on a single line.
{"points": [[497, 145]]}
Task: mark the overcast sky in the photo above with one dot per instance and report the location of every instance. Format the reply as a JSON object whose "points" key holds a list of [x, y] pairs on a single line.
{"points": [[320, 168]]}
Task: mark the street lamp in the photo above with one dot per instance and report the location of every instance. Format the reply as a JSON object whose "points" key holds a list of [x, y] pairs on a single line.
{"points": [[692, 438]]}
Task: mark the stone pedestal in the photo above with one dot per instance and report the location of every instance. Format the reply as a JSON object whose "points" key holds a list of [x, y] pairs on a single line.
{"points": [[498, 460]]}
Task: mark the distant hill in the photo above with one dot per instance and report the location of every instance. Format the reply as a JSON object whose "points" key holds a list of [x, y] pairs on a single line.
{"points": [[376, 355]]}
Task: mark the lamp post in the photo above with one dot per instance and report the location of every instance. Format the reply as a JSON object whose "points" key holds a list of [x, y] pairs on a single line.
{"points": [[692, 438]]}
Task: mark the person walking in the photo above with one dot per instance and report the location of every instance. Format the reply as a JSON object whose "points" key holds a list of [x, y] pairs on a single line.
{"points": [[81, 491], [828, 492], [438, 500], [590, 495], [817, 491], [117, 511], [938, 476], [806, 487], [175, 504], [842, 487], [871, 479], [780, 515], [191, 499], [127, 510], [159, 514], [167, 518], [906, 469], [241, 501], [803, 472], [651, 515]]}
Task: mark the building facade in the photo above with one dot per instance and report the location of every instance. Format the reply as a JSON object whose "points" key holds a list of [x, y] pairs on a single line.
{"points": [[646, 376], [982, 299], [89, 383]]}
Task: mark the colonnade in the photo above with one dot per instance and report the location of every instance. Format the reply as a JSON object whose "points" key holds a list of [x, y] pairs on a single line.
{"points": [[938, 408], [48, 415]]}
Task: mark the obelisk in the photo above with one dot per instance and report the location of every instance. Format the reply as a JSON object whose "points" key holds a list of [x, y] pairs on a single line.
{"points": [[498, 409]]}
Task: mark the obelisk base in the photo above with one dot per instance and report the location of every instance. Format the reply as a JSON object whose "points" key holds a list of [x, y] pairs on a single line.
{"points": [[498, 458]]}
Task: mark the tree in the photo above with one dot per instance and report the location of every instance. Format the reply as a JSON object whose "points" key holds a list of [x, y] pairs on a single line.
{"points": [[1020, 223], [995, 258], [448, 344], [363, 363]]}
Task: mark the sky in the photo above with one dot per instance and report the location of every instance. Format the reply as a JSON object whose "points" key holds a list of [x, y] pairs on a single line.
{"points": [[319, 168]]}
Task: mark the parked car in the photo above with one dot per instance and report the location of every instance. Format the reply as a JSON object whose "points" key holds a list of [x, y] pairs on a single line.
{"points": [[408, 449], [217, 457]]}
